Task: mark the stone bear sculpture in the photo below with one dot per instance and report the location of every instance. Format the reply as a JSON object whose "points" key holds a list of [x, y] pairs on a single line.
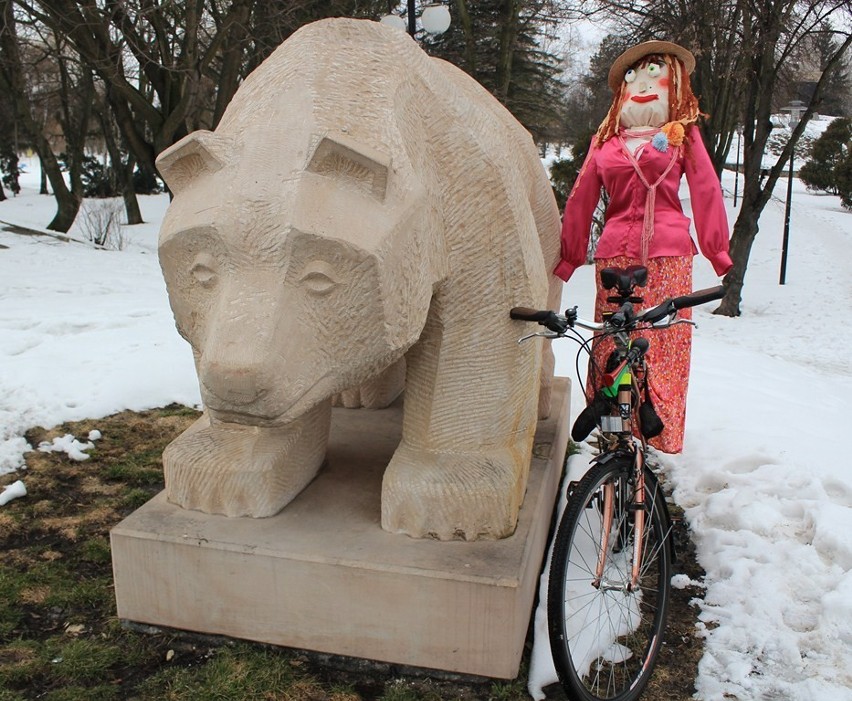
{"points": [[360, 205]]}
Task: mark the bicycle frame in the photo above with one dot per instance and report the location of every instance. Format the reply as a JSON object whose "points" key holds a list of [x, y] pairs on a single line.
{"points": [[617, 507], [620, 442], [622, 386]]}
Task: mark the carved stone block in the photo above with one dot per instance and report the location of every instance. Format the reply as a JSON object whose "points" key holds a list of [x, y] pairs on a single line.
{"points": [[362, 210]]}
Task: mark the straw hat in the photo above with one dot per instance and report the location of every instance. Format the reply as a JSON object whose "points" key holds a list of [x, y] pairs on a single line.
{"points": [[635, 53]]}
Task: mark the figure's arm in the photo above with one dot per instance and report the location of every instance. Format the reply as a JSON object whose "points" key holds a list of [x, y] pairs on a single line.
{"points": [[577, 220], [708, 207]]}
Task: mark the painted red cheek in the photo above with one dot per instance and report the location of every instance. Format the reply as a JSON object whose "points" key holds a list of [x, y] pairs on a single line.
{"points": [[626, 97], [663, 82]]}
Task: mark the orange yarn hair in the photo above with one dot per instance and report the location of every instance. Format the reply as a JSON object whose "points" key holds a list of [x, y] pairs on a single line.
{"points": [[683, 105]]}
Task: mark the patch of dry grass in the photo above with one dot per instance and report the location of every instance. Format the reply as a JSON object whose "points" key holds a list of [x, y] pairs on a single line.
{"points": [[60, 639]]}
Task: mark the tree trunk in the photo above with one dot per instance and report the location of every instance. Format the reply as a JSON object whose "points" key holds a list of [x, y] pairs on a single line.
{"points": [[67, 207], [76, 97], [469, 38], [233, 56], [745, 231], [123, 171], [42, 177], [67, 204], [12, 83], [508, 35], [128, 194], [143, 152]]}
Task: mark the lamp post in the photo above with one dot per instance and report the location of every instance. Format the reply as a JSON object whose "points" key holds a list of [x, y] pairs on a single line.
{"points": [[796, 107], [737, 171], [435, 18]]}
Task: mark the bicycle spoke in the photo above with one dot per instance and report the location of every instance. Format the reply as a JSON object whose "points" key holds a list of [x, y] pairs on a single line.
{"points": [[605, 637]]}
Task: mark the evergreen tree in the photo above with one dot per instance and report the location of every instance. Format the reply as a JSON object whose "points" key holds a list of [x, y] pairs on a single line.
{"points": [[503, 44], [563, 175], [591, 97], [816, 53], [843, 174], [831, 151]]}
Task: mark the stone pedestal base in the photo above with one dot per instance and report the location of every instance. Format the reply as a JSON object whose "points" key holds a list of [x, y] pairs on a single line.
{"points": [[322, 575]]}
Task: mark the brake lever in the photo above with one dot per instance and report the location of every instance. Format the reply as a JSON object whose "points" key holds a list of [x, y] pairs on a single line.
{"points": [[671, 322], [663, 323], [541, 334]]}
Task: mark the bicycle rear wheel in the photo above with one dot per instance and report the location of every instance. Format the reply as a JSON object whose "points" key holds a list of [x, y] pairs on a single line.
{"points": [[604, 636]]}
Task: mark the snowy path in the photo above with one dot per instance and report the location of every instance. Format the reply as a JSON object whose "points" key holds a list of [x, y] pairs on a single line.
{"points": [[763, 480]]}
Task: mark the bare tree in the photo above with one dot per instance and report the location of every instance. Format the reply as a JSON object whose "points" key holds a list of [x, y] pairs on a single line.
{"points": [[75, 93], [710, 30], [772, 32], [13, 83], [742, 48], [150, 56]]}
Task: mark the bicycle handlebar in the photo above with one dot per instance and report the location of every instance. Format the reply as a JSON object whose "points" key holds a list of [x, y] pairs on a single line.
{"points": [[670, 306], [624, 319], [527, 314], [553, 321], [693, 299]]}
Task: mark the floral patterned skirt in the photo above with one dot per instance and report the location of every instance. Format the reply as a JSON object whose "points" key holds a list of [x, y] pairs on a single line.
{"points": [[670, 349]]}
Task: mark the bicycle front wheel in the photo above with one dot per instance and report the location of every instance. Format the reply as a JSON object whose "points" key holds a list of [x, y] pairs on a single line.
{"points": [[605, 633]]}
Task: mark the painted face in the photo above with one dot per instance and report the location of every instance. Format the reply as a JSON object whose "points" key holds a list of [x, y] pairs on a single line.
{"points": [[646, 96]]}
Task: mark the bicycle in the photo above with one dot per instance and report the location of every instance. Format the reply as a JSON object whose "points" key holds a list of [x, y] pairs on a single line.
{"points": [[610, 573]]}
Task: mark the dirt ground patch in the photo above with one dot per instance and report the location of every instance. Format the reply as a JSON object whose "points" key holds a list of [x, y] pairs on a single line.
{"points": [[60, 639]]}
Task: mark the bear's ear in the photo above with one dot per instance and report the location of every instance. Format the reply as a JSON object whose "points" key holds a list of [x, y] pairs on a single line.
{"points": [[352, 162], [198, 154]]}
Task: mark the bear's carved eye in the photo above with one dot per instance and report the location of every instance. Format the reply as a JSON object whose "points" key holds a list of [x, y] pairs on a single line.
{"points": [[204, 270], [319, 278]]}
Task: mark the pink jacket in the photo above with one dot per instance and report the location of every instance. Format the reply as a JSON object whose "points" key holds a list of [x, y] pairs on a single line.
{"points": [[607, 166]]}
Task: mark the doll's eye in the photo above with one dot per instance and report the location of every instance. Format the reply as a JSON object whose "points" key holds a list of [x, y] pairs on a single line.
{"points": [[630, 76], [654, 70]]}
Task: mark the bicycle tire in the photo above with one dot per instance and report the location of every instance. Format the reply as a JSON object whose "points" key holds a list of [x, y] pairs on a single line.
{"points": [[605, 640]]}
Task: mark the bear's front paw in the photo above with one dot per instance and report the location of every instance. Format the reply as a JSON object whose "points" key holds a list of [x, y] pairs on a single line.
{"points": [[240, 470], [453, 496]]}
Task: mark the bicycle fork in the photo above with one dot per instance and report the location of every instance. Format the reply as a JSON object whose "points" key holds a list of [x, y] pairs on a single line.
{"points": [[637, 506]]}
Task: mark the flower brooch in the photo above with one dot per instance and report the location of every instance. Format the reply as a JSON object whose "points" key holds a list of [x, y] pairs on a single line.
{"points": [[670, 134]]}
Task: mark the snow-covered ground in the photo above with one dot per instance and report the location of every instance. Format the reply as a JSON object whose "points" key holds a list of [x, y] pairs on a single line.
{"points": [[764, 477]]}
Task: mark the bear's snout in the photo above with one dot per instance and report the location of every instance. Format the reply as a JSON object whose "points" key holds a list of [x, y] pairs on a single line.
{"points": [[232, 384]]}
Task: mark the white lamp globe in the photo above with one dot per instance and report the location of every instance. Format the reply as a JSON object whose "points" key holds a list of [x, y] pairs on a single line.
{"points": [[394, 21], [436, 18]]}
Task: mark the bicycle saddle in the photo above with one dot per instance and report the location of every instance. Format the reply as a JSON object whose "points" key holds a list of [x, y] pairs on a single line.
{"points": [[624, 279]]}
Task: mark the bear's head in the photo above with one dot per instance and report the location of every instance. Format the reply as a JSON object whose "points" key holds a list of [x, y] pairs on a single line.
{"points": [[296, 267]]}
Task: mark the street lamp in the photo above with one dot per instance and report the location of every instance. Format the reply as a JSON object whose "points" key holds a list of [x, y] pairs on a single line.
{"points": [[435, 19], [737, 171], [795, 108]]}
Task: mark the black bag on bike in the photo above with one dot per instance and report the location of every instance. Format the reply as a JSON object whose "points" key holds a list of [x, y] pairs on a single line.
{"points": [[649, 421], [588, 418]]}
